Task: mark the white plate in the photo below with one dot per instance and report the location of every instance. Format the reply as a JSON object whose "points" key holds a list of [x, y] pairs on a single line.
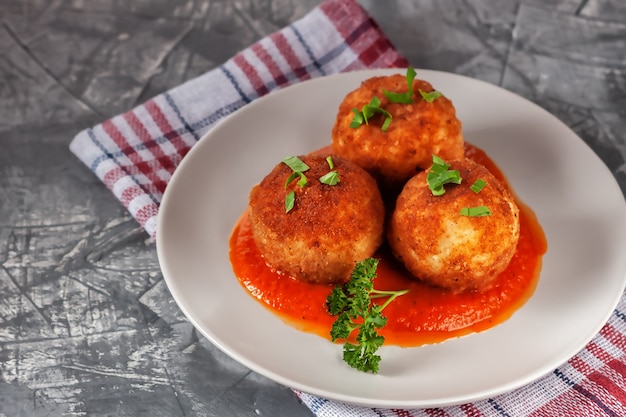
{"points": [[574, 195]]}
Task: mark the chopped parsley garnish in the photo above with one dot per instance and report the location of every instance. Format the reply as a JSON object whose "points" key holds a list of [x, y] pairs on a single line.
{"points": [[407, 98], [290, 201], [296, 164], [478, 185], [439, 175], [439, 164], [298, 167], [478, 211], [386, 123], [403, 98], [353, 306], [301, 182], [332, 178], [367, 112], [373, 107], [430, 97]]}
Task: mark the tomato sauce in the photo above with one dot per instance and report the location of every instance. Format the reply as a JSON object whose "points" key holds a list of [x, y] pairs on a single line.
{"points": [[425, 314]]}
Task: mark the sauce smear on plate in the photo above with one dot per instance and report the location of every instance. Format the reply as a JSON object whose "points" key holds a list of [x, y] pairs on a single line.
{"points": [[425, 314]]}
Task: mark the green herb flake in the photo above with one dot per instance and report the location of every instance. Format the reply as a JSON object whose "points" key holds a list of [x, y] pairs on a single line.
{"points": [[439, 175], [479, 211], [302, 180], [403, 98], [367, 112], [290, 201], [332, 178], [478, 185], [371, 108], [292, 177], [296, 164], [386, 124], [358, 119], [331, 164], [439, 164], [430, 97], [353, 306]]}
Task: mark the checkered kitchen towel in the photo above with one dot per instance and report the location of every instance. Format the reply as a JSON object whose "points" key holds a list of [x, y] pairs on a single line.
{"points": [[135, 154]]}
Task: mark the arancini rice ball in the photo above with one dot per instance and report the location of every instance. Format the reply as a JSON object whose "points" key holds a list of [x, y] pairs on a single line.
{"points": [[330, 226], [417, 130], [440, 245]]}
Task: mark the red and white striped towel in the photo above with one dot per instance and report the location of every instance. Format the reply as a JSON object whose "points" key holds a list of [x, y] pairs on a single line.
{"points": [[135, 154]]}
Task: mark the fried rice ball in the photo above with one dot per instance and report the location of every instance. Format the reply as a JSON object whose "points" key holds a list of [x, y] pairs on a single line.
{"points": [[417, 131], [330, 227], [440, 246]]}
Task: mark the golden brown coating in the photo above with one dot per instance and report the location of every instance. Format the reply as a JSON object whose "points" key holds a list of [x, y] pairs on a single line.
{"points": [[440, 246], [417, 131], [329, 229]]}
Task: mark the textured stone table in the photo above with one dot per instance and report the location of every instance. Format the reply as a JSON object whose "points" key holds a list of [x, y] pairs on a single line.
{"points": [[87, 325]]}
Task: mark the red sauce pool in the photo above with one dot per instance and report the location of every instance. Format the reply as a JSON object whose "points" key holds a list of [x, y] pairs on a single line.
{"points": [[425, 314]]}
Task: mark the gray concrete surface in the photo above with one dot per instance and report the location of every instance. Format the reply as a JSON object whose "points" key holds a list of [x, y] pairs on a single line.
{"points": [[87, 325]]}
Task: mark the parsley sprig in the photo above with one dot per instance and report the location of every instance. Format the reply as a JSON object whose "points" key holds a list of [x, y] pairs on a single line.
{"points": [[353, 306]]}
